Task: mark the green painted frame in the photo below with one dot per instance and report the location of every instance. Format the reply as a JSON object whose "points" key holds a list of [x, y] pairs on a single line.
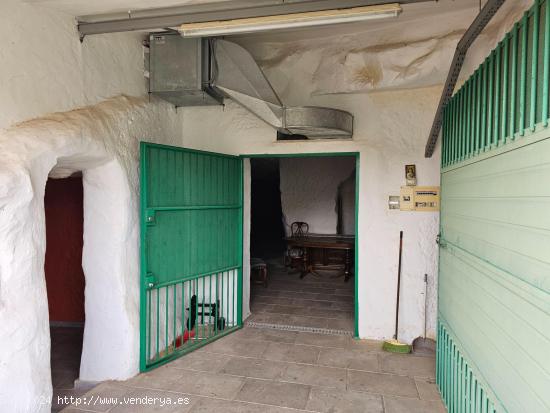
{"points": [[357, 157], [143, 366]]}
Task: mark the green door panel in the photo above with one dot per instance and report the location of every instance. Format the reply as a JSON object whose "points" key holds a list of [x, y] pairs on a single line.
{"points": [[494, 279], [191, 250], [493, 349]]}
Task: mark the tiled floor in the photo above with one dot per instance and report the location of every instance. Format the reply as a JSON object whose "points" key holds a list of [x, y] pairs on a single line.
{"points": [[273, 371], [319, 302]]}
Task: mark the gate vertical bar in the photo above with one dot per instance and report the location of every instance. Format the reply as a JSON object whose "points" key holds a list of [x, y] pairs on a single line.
{"points": [[478, 109], [143, 328], [463, 121], [496, 111], [523, 85], [534, 66], [483, 106], [546, 63], [490, 98], [513, 83], [468, 114], [505, 82], [240, 249]]}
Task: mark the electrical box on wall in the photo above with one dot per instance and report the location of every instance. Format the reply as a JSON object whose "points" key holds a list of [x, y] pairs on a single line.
{"points": [[419, 198]]}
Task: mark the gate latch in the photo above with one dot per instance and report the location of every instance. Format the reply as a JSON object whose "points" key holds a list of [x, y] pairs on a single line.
{"points": [[150, 216], [149, 280]]}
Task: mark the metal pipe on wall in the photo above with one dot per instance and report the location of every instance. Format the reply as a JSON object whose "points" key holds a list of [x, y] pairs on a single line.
{"points": [[479, 23]]}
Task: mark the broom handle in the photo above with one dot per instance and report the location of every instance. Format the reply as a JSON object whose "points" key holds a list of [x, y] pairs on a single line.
{"points": [[398, 283], [425, 304]]}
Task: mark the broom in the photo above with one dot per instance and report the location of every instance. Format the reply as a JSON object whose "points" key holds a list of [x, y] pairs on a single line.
{"points": [[394, 345]]}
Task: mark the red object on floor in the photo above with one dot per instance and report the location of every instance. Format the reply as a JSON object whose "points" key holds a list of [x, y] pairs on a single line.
{"points": [[186, 336]]}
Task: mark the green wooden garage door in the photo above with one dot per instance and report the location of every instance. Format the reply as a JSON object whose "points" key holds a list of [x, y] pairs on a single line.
{"points": [[493, 350], [191, 250]]}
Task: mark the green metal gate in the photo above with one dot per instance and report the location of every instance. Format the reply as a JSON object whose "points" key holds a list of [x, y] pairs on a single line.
{"points": [[191, 250], [494, 269]]}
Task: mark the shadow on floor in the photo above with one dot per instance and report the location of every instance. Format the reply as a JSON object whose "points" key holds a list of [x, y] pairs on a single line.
{"points": [[66, 352]]}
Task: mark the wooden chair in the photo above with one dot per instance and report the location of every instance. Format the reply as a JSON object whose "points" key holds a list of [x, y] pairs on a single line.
{"points": [[293, 255]]}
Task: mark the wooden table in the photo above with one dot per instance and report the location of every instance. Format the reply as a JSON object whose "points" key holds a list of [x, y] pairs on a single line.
{"points": [[324, 252]]}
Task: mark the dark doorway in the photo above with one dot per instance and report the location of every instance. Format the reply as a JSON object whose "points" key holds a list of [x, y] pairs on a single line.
{"points": [[303, 279], [63, 204], [267, 228]]}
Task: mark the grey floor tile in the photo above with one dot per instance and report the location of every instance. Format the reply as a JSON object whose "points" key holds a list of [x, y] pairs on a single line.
{"points": [[340, 324], [236, 347], [269, 318], [274, 393], [252, 367], [257, 308], [291, 353], [427, 389], [154, 401], [261, 334], [347, 358], [278, 336], [389, 384], [200, 361], [368, 345], [273, 300], [344, 291], [408, 405], [337, 401], [312, 304], [323, 340], [226, 406], [329, 313], [306, 321], [283, 309], [161, 378], [207, 384], [315, 375], [408, 364]]}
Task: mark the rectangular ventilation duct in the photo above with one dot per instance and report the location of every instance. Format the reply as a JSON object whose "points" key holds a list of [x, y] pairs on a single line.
{"points": [[192, 72], [180, 70]]}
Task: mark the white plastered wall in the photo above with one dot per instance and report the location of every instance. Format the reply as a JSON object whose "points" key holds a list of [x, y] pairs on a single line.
{"points": [[309, 190], [103, 142], [46, 69]]}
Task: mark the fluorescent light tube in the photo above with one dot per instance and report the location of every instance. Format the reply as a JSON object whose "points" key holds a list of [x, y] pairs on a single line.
{"points": [[289, 21]]}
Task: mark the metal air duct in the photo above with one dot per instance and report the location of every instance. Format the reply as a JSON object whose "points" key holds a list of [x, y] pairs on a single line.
{"points": [[239, 77], [191, 72]]}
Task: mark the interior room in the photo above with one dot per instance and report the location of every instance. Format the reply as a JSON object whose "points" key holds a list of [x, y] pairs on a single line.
{"points": [[274, 205], [64, 210], [302, 242]]}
